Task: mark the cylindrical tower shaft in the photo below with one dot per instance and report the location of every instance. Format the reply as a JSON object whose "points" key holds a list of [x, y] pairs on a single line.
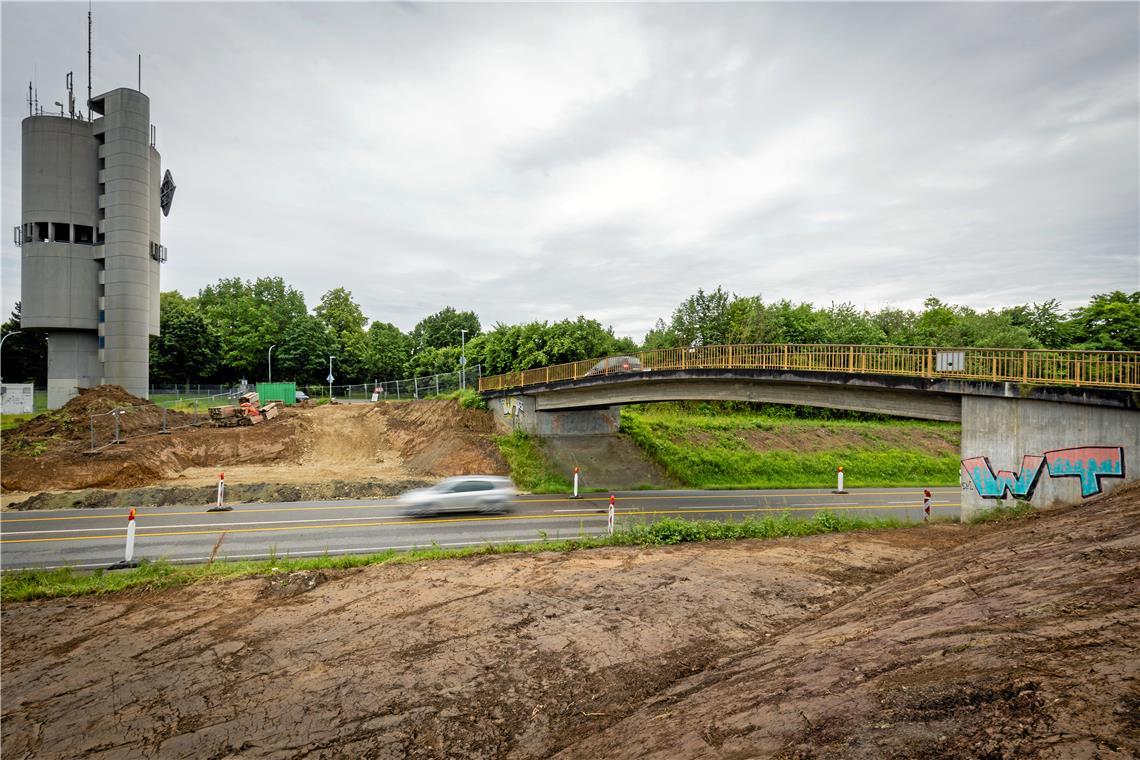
{"points": [[128, 194]]}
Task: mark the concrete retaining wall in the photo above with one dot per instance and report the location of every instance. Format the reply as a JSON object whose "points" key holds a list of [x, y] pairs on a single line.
{"points": [[1046, 453], [520, 413]]}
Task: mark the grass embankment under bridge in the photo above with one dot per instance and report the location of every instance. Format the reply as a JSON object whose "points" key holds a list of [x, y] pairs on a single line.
{"points": [[706, 445]]}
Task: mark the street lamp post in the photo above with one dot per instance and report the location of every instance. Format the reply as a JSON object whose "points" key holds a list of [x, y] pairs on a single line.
{"points": [[271, 361], [330, 377], [462, 359], [9, 335]]}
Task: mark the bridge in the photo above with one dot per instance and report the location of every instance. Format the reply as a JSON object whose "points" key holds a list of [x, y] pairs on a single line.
{"points": [[1018, 407]]}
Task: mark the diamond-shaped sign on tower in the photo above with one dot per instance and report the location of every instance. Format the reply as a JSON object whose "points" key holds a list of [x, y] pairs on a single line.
{"points": [[166, 193]]}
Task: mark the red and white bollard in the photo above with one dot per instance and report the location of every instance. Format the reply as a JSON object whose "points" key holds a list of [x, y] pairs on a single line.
{"points": [[221, 505], [575, 496], [130, 553], [611, 516], [128, 556], [376, 394], [839, 485], [926, 496]]}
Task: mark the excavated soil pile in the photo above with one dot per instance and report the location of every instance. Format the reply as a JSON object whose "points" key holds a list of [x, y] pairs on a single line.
{"points": [[319, 449], [70, 425], [440, 437], [1009, 640]]}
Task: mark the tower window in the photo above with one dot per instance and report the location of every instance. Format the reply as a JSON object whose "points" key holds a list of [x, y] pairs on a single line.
{"points": [[41, 231], [62, 232], [84, 234], [102, 342]]}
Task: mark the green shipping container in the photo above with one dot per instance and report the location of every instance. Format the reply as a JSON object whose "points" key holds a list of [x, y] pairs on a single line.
{"points": [[286, 393]]}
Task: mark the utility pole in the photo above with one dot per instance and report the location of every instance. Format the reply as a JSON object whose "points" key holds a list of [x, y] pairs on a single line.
{"points": [[330, 377], [462, 359]]}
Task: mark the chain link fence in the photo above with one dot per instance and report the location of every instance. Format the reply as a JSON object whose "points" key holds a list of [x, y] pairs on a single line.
{"points": [[124, 423], [172, 409], [411, 388]]}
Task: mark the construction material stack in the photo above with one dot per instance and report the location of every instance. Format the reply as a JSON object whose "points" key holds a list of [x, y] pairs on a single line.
{"points": [[247, 412]]}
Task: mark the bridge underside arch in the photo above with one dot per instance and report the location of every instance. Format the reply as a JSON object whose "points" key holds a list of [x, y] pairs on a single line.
{"points": [[896, 402]]}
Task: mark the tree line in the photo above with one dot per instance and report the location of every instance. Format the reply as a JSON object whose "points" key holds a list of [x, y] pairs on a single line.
{"points": [[225, 333]]}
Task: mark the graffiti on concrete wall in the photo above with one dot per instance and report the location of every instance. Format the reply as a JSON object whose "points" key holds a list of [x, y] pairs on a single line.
{"points": [[512, 407], [991, 485], [1089, 463]]}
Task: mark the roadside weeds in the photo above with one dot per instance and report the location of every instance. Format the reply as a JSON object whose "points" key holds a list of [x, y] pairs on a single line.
{"points": [[27, 585]]}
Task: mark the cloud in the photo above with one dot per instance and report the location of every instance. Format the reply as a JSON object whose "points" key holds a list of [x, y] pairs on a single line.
{"points": [[544, 161]]}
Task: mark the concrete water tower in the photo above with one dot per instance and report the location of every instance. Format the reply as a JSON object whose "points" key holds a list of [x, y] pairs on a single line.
{"points": [[93, 198]]}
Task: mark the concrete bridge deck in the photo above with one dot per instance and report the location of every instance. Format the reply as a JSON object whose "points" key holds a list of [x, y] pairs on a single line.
{"points": [[1048, 427]]}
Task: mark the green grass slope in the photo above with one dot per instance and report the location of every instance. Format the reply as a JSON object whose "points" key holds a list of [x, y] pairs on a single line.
{"points": [[734, 446]]}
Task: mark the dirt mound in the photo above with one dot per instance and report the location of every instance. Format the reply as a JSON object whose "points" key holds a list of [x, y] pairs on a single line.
{"points": [[71, 423], [322, 445], [441, 438], [1008, 640]]}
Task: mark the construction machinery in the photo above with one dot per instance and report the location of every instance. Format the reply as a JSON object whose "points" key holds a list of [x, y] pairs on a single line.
{"points": [[247, 412]]}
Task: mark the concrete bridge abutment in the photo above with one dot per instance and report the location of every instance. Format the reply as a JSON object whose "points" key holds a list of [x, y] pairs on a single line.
{"points": [[520, 412], [1044, 452]]}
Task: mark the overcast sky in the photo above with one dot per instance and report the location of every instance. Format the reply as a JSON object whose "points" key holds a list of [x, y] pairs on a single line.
{"points": [[544, 161]]}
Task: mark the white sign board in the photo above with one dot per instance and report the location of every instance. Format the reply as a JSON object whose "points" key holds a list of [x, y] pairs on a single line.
{"points": [[950, 361], [17, 398]]}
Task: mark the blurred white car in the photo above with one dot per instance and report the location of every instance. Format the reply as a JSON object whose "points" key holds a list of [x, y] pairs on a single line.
{"points": [[464, 493]]}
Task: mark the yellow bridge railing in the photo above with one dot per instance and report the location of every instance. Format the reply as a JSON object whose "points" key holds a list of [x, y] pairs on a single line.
{"points": [[1093, 369]]}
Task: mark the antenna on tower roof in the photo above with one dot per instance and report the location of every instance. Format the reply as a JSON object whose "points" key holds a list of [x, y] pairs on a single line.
{"points": [[88, 60], [29, 97]]}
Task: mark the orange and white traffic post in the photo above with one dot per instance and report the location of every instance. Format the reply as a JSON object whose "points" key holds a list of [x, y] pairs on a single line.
{"points": [[926, 496], [611, 516], [128, 555], [576, 471], [839, 485], [221, 505]]}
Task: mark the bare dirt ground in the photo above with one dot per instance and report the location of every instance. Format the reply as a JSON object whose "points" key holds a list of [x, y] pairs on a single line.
{"points": [[312, 449], [606, 461], [1008, 640]]}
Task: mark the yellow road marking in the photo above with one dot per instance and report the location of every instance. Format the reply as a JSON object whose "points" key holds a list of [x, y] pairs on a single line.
{"points": [[715, 495], [426, 521]]}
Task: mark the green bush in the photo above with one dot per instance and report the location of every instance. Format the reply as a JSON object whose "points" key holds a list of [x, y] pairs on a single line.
{"points": [[468, 399], [530, 468]]}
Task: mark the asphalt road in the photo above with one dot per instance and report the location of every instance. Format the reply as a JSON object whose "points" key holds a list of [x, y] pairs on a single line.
{"points": [[93, 538]]}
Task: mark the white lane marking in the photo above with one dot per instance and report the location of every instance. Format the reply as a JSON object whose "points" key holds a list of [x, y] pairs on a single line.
{"points": [[919, 503], [285, 555], [592, 510], [189, 525]]}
